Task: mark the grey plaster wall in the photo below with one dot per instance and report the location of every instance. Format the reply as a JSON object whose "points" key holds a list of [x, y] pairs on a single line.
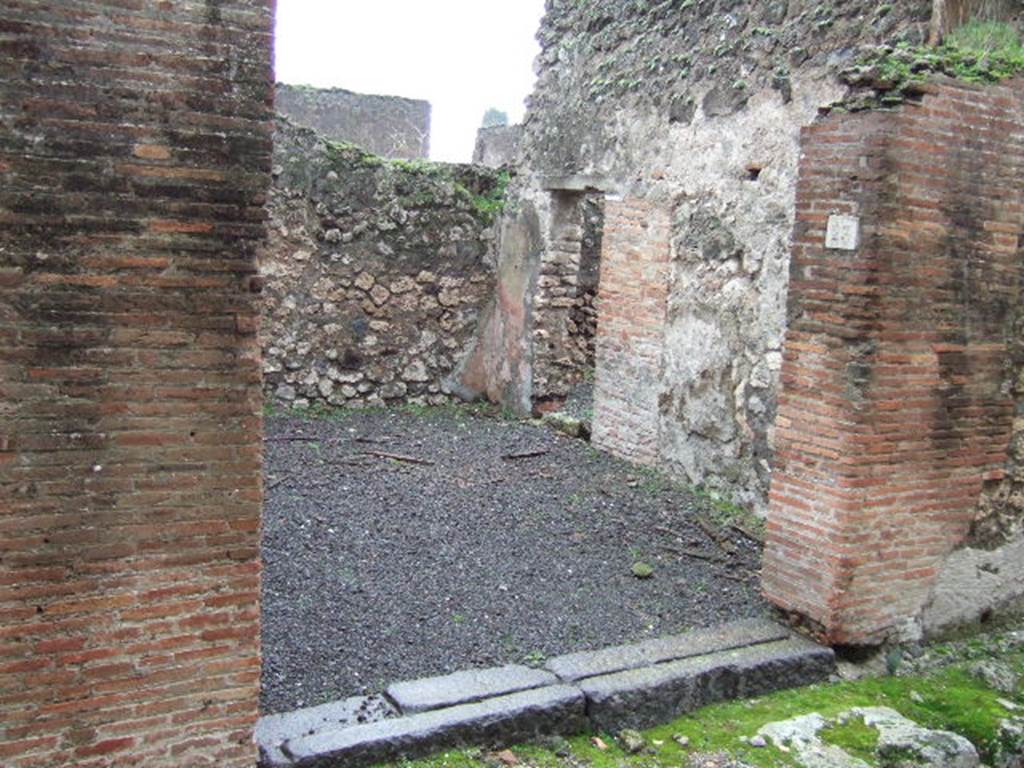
{"points": [[497, 146], [389, 126], [696, 106]]}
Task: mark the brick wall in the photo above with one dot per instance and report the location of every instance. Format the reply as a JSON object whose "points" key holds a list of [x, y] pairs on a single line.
{"points": [[633, 295], [134, 154], [895, 407]]}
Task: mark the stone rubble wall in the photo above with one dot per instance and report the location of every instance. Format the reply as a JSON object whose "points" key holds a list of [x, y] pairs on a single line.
{"points": [[565, 301], [389, 126], [374, 273], [497, 146]]}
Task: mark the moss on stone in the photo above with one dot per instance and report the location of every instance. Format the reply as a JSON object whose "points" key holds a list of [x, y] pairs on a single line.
{"points": [[980, 52], [853, 736], [948, 699]]}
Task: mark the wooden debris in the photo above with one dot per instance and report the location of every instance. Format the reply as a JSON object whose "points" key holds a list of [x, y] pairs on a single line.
{"points": [[364, 439], [669, 531], [524, 454], [272, 485], [747, 533], [715, 534], [687, 552], [399, 457], [351, 461]]}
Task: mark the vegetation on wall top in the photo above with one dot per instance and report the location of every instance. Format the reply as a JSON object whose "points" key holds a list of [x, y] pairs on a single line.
{"points": [[979, 52]]}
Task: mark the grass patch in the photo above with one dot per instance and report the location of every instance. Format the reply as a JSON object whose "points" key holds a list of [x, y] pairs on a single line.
{"points": [[947, 699], [853, 736], [491, 203], [979, 52], [727, 513]]}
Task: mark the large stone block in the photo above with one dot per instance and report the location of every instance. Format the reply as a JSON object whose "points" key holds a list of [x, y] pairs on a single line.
{"points": [[641, 698], [274, 730], [576, 666], [466, 686], [507, 719]]}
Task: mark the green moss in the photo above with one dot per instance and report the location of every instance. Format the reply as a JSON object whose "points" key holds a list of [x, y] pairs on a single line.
{"points": [[642, 570], [979, 52], [949, 699], [427, 168], [854, 737], [348, 155], [491, 203], [727, 513]]}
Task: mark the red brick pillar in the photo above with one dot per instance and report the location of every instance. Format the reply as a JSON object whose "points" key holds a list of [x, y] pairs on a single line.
{"points": [[134, 154], [895, 406], [633, 301]]}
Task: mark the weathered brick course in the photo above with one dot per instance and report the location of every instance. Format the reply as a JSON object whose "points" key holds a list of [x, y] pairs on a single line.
{"points": [[134, 155], [896, 405], [631, 327]]}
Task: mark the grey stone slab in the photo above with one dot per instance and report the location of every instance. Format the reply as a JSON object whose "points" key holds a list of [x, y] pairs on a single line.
{"points": [[502, 720], [640, 698], [576, 666], [274, 730], [463, 687]]}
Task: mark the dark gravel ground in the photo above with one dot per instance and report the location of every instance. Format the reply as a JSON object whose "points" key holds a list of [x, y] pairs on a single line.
{"points": [[378, 570]]}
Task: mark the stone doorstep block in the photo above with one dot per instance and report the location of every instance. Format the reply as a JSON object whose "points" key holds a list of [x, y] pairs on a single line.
{"points": [[463, 687], [576, 666], [641, 698], [502, 720], [273, 730]]}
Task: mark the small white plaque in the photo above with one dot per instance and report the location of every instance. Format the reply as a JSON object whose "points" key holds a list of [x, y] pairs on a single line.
{"points": [[843, 233]]}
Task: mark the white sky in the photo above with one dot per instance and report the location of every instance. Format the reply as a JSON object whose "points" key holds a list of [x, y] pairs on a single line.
{"points": [[462, 56]]}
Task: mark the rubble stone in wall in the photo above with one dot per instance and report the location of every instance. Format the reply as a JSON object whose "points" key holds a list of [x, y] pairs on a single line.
{"points": [[698, 107], [375, 272]]}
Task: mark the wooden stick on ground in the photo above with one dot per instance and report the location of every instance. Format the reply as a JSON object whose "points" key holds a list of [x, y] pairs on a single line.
{"points": [[525, 454], [272, 485], [399, 457], [715, 534], [687, 552], [747, 534]]}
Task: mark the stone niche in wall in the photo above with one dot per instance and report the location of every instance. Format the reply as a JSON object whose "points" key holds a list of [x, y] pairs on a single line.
{"points": [[374, 273]]}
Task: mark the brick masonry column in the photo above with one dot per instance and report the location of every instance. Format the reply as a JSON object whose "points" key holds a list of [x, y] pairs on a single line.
{"points": [[633, 301], [896, 405], [135, 143]]}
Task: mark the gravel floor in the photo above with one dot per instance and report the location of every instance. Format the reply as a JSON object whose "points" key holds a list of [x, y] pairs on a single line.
{"points": [[377, 569]]}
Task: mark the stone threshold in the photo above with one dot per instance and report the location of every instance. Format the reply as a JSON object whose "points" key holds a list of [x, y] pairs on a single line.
{"points": [[627, 686]]}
